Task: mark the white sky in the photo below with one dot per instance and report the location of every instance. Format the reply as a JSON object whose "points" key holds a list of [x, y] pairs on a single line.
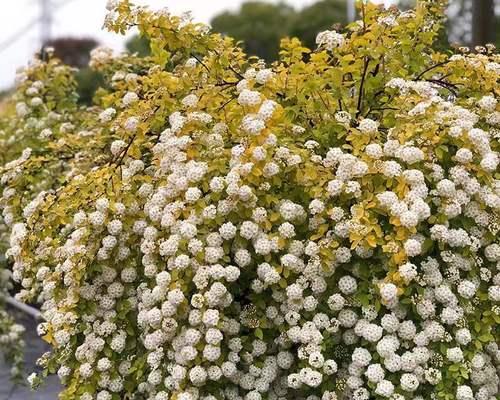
{"points": [[84, 18]]}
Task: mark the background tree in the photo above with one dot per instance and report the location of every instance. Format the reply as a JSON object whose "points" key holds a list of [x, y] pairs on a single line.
{"points": [[259, 25], [483, 22], [75, 52], [138, 45], [471, 22], [316, 18]]}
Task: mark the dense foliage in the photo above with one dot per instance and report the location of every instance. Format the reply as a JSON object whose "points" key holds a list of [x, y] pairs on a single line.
{"points": [[75, 52], [325, 227], [11, 333]]}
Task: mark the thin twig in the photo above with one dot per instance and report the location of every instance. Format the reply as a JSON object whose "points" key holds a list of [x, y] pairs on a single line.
{"points": [[236, 72], [226, 103], [362, 86], [419, 76], [446, 85], [226, 83], [327, 106], [200, 61], [125, 151], [239, 75], [381, 109]]}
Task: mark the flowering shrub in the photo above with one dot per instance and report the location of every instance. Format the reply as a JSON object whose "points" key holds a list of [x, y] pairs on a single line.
{"points": [[22, 129], [11, 333], [214, 228]]}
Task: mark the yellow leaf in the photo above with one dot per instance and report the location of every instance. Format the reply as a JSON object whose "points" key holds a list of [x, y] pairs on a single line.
{"points": [[371, 240], [49, 338], [395, 221], [256, 171], [311, 173], [401, 234], [400, 257]]}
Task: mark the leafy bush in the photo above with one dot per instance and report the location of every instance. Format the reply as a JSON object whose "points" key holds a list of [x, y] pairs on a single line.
{"points": [[75, 52], [11, 333], [213, 228], [18, 136]]}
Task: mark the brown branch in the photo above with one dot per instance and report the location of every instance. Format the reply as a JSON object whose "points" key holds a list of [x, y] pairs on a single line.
{"points": [[362, 86], [238, 74], [200, 61], [235, 72], [119, 158], [225, 83], [419, 76], [445, 85], [327, 106], [226, 103]]}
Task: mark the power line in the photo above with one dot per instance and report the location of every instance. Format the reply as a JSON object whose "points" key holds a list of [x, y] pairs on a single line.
{"points": [[46, 20], [47, 11], [18, 34]]}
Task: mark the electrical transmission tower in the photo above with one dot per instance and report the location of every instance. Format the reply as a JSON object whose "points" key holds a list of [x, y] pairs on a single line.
{"points": [[48, 9], [351, 10], [46, 21]]}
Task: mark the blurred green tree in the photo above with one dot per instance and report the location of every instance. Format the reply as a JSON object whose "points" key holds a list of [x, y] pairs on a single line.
{"points": [[88, 82], [259, 25], [76, 52], [316, 18], [138, 44]]}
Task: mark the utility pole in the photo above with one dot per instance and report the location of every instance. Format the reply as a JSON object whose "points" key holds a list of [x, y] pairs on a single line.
{"points": [[351, 10], [46, 21], [483, 20]]}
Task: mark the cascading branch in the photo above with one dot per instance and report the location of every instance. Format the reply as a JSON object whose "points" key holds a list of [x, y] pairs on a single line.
{"points": [[11, 333], [214, 228], [48, 100]]}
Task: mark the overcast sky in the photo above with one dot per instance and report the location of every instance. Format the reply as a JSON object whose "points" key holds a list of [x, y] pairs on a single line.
{"points": [[83, 18]]}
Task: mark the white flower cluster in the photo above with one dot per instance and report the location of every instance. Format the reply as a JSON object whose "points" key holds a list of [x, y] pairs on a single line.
{"points": [[330, 40], [100, 55]]}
